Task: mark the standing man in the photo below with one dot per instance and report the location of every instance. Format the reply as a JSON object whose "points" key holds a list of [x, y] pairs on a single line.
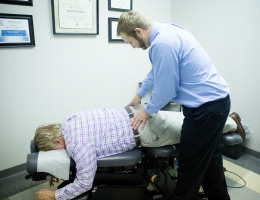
{"points": [[182, 72]]}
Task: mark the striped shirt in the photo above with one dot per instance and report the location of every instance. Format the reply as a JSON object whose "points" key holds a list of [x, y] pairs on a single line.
{"points": [[90, 135]]}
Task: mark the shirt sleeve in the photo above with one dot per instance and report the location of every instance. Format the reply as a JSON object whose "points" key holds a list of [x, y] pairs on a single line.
{"points": [[165, 67], [147, 84], [86, 164]]}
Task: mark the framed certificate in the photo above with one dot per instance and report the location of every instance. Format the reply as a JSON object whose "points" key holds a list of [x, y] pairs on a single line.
{"points": [[16, 30], [120, 5], [75, 17], [112, 33], [18, 2]]}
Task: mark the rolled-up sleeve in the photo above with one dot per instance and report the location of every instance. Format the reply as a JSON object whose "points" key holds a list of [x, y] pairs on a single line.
{"points": [[84, 156], [165, 68]]}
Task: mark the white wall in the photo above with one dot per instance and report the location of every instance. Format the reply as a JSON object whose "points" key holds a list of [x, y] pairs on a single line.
{"points": [[64, 74], [229, 32]]}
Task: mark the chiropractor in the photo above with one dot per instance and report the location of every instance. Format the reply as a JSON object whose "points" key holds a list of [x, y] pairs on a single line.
{"points": [[183, 73]]}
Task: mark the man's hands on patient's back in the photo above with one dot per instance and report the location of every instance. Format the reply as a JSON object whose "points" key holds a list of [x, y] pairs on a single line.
{"points": [[141, 116], [135, 101]]}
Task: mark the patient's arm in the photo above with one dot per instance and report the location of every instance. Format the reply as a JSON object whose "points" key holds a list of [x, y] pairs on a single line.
{"points": [[84, 156]]}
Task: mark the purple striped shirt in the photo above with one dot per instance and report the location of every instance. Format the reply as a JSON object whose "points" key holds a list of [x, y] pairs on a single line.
{"points": [[90, 135]]}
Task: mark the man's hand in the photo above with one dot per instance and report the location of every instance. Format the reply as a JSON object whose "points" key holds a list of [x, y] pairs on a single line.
{"points": [[45, 194], [135, 101], [140, 117]]}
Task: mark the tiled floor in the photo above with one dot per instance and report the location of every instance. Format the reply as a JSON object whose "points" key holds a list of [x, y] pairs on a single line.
{"points": [[247, 167], [251, 191], [30, 193]]}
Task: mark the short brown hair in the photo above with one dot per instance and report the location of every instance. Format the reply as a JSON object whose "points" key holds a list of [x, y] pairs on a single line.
{"points": [[45, 135], [131, 20]]}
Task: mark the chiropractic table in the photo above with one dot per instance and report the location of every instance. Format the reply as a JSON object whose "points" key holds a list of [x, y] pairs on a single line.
{"points": [[131, 172]]}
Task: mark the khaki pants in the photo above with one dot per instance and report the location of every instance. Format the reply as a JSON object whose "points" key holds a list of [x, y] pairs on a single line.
{"points": [[164, 128]]}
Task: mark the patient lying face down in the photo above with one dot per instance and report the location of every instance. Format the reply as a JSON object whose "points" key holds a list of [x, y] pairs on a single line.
{"points": [[93, 134]]}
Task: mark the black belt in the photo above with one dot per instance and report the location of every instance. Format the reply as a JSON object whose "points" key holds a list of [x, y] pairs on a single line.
{"points": [[136, 133]]}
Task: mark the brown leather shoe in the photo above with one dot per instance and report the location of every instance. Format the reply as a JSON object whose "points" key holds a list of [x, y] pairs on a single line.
{"points": [[240, 129]]}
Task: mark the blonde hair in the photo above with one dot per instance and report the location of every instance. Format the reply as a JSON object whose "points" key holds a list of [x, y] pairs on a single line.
{"points": [[131, 20], [45, 135]]}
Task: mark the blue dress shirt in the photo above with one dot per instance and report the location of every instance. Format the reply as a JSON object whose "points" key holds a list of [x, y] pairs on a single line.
{"points": [[181, 70]]}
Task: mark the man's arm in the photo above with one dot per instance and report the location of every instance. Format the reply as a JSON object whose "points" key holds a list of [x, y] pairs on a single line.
{"points": [[166, 82], [166, 77], [147, 84], [84, 156], [141, 116]]}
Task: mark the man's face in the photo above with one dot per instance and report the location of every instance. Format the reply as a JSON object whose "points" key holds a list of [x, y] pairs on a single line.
{"points": [[135, 42]]}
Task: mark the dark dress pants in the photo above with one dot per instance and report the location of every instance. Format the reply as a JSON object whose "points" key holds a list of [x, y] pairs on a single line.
{"points": [[200, 159]]}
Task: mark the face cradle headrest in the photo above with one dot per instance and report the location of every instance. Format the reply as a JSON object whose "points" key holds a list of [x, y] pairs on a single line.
{"points": [[33, 148]]}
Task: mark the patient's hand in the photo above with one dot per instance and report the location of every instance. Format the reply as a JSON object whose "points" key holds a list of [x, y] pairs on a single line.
{"points": [[51, 180], [45, 194]]}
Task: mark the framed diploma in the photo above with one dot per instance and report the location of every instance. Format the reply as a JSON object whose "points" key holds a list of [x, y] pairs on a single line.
{"points": [[120, 5], [18, 2], [112, 33], [16, 30], [75, 17]]}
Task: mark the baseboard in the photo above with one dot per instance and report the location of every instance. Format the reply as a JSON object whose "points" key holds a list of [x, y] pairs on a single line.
{"points": [[251, 152], [13, 170]]}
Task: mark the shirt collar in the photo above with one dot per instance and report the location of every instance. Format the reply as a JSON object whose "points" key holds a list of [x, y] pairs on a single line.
{"points": [[154, 30]]}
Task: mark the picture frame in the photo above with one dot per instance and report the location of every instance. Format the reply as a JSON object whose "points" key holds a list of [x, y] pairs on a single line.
{"points": [[112, 33], [120, 5], [76, 17], [16, 30], [18, 2]]}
